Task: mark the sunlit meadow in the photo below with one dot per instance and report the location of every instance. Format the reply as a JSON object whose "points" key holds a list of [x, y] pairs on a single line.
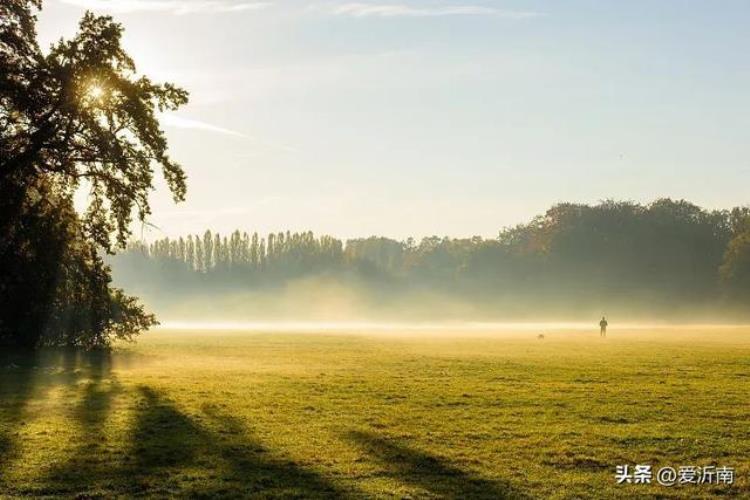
{"points": [[486, 411]]}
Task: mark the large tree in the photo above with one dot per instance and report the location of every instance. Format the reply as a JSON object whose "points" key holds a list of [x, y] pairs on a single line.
{"points": [[77, 116], [81, 112]]}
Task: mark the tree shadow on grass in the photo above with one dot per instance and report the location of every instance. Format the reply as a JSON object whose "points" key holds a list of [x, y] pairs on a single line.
{"points": [[174, 454], [433, 474], [17, 372], [166, 453], [90, 458], [252, 466], [27, 376]]}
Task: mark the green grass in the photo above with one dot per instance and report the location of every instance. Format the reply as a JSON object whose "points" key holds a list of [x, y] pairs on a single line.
{"points": [[428, 414]]}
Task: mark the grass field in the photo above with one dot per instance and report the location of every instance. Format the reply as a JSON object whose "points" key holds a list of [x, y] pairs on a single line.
{"points": [[446, 414]]}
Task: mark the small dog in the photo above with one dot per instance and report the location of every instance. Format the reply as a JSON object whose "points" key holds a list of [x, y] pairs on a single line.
{"points": [[540, 336]]}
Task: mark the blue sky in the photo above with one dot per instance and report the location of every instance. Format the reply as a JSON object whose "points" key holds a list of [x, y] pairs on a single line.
{"points": [[438, 117]]}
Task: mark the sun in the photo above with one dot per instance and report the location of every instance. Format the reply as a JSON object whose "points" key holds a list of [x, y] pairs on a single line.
{"points": [[96, 92]]}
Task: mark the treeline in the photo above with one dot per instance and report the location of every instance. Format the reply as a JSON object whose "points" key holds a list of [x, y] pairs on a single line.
{"points": [[664, 252], [214, 253]]}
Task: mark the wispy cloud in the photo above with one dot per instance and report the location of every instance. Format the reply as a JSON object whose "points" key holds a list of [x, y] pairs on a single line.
{"points": [[174, 121], [169, 120], [405, 10], [178, 7]]}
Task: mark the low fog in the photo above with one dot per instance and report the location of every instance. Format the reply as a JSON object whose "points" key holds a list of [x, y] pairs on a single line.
{"points": [[669, 261], [323, 300]]}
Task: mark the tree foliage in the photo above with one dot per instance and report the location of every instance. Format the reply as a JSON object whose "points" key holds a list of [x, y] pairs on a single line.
{"points": [[735, 269], [77, 116], [80, 112]]}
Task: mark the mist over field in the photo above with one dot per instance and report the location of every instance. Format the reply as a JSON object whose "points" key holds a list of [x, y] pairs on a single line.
{"points": [[669, 261], [328, 300]]}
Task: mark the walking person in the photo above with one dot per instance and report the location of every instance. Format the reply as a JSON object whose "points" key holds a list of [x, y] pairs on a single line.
{"points": [[603, 327]]}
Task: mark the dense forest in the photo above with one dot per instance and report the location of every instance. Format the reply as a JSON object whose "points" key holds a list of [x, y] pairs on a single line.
{"points": [[611, 255]]}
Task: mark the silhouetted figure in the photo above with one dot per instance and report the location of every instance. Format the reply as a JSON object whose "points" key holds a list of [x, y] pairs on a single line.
{"points": [[603, 327]]}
